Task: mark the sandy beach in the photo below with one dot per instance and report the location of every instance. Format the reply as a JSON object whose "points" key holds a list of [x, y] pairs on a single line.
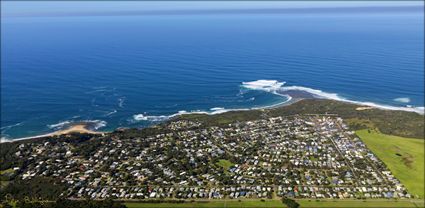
{"points": [[81, 128], [78, 128]]}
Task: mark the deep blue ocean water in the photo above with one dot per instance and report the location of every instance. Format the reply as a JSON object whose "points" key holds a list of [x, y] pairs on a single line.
{"points": [[136, 63]]}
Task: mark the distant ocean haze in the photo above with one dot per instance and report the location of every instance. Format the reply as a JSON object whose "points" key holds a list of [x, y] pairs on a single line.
{"points": [[135, 70]]}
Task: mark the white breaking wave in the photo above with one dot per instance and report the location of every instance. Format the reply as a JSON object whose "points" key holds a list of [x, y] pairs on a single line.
{"points": [[152, 118], [265, 85], [402, 100], [419, 110], [142, 117], [59, 125], [213, 111], [278, 88], [110, 113], [97, 124], [317, 93], [335, 96], [217, 108], [11, 126], [271, 86], [5, 139]]}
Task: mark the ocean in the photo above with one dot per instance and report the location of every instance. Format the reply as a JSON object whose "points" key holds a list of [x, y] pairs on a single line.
{"points": [[134, 64]]}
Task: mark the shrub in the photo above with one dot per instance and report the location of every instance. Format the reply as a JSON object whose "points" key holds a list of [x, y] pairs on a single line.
{"points": [[290, 203]]}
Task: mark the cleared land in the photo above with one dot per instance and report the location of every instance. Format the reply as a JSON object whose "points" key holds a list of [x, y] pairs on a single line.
{"points": [[403, 156]]}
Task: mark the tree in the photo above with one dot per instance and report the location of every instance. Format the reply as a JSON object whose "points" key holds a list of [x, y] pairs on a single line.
{"points": [[290, 203]]}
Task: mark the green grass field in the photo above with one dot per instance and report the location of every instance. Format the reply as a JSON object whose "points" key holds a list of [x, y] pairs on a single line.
{"points": [[275, 203], [358, 203], [225, 164], [403, 156], [7, 171], [212, 204]]}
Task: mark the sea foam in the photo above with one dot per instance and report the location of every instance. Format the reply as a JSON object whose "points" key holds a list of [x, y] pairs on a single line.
{"points": [[59, 125], [157, 118], [265, 85], [11, 126], [110, 113], [402, 100], [335, 96], [5, 139], [277, 87], [144, 117], [213, 111], [95, 124]]}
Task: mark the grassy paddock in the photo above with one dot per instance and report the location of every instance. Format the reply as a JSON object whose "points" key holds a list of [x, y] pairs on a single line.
{"points": [[403, 156]]}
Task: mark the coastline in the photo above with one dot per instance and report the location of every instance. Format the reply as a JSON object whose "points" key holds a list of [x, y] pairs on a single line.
{"points": [[293, 94], [81, 128], [295, 97]]}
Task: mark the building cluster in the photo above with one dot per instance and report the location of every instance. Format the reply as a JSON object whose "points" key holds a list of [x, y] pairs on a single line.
{"points": [[183, 124], [299, 156]]}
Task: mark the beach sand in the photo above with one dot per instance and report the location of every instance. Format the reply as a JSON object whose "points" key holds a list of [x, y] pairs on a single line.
{"points": [[78, 128], [81, 128]]}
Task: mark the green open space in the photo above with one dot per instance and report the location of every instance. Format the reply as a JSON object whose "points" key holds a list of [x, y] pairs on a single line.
{"points": [[359, 203], [225, 164], [403, 156], [7, 171], [275, 203], [212, 204]]}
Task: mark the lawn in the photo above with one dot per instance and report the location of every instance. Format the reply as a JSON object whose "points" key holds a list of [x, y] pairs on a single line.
{"points": [[5, 182], [7, 171], [403, 156], [275, 203], [225, 164], [356, 203], [212, 204]]}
